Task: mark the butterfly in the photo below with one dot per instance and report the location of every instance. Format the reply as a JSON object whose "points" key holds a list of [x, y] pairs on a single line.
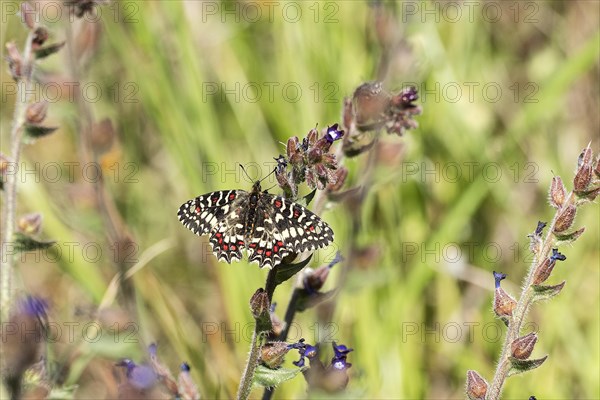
{"points": [[266, 226]]}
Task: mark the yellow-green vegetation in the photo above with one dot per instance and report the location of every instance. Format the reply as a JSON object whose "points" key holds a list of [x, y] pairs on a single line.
{"points": [[508, 102]]}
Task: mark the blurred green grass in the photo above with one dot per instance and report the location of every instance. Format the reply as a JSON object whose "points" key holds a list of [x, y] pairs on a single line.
{"points": [[175, 132]]}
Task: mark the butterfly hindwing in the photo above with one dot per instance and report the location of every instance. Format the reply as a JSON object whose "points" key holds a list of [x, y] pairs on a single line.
{"points": [[300, 229]]}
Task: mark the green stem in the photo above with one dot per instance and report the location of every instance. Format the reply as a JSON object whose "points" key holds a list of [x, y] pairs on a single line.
{"points": [[246, 382], [24, 89], [521, 310]]}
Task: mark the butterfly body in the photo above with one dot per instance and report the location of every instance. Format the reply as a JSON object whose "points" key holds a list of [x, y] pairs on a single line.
{"points": [[266, 226]]}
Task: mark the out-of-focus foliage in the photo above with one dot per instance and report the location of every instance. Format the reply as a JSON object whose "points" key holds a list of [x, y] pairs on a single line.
{"points": [[192, 89]]}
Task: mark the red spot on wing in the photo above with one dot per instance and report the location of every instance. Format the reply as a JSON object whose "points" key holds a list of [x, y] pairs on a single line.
{"points": [[225, 247], [214, 199], [232, 196], [311, 228], [268, 253], [278, 203], [279, 243], [233, 248], [198, 209], [259, 251], [276, 249], [252, 245], [220, 240], [296, 213], [218, 234]]}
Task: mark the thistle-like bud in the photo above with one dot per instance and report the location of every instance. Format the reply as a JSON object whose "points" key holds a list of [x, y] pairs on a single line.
{"points": [[543, 271], [259, 303], [272, 354], [597, 167], [504, 304], [558, 192], [522, 347], [36, 112], [565, 219], [30, 224], [476, 386]]}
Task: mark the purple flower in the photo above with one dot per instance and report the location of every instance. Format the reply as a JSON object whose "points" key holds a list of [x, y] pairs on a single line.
{"points": [[339, 359], [185, 367], [333, 133], [140, 376], [540, 227], [557, 256], [498, 276], [305, 350]]}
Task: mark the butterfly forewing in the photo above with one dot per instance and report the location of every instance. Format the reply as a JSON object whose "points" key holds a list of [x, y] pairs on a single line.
{"points": [[268, 227]]}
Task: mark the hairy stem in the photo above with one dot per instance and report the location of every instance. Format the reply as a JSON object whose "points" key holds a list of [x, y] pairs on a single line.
{"points": [[521, 310], [24, 90], [251, 364]]}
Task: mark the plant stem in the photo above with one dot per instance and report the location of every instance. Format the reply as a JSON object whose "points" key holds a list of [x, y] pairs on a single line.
{"points": [[251, 364], [522, 308], [24, 89]]}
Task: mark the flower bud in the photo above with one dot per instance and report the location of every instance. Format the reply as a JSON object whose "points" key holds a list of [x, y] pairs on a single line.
{"points": [[339, 179], [543, 271], [39, 37], [565, 219], [558, 192], [476, 386], [272, 354], [585, 157], [582, 179], [30, 224], [187, 388], [522, 347], [15, 63], [504, 304], [597, 167], [259, 304], [36, 112], [28, 14]]}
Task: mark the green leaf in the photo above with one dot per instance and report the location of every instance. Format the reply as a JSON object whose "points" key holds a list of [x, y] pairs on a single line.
{"points": [[48, 50], [520, 366], [266, 377], [286, 271], [26, 243], [569, 237], [37, 131], [543, 292], [309, 197]]}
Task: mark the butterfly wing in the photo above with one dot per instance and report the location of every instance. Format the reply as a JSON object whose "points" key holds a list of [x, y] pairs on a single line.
{"points": [[202, 214], [285, 227]]}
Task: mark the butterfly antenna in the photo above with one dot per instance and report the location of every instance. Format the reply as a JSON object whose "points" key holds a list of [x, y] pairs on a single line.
{"points": [[270, 173], [243, 169]]}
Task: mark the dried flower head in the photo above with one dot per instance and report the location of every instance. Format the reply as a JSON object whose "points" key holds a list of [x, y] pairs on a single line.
{"points": [[30, 224], [273, 353], [558, 192], [36, 112]]}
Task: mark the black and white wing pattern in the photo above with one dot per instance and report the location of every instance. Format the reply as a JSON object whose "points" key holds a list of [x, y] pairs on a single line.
{"points": [[268, 227]]}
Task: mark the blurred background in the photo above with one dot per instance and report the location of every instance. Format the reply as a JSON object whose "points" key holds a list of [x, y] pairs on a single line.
{"points": [[175, 94]]}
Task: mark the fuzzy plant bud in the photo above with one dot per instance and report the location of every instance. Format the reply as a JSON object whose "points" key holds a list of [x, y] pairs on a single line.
{"points": [[522, 347], [584, 174], [272, 354], [543, 271], [187, 388], [36, 112], [30, 224], [15, 62], [28, 14], [504, 304], [476, 386], [259, 303], [565, 219], [597, 167], [40, 35], [558, 192], [535, 239]]}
